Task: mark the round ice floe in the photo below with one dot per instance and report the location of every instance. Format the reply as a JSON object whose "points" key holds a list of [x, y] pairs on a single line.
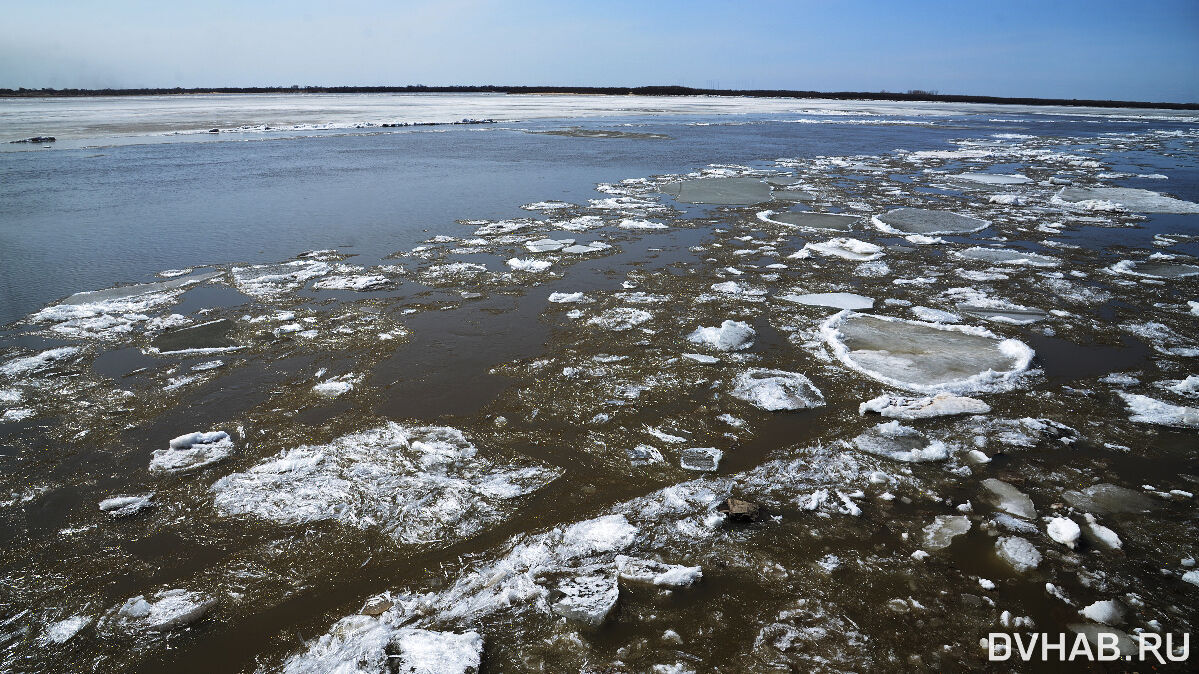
{"points": [[924, 221], [808, 219], [1064, 531], [775, 390], [1126, 198], [729, 336], [924, 357]]}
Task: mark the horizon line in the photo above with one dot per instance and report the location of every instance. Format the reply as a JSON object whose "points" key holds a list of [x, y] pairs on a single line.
{"points": [[914, 95]]}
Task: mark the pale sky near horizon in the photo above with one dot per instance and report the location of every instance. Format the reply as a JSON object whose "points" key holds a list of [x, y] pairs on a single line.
{"points": [[1099, 49]]}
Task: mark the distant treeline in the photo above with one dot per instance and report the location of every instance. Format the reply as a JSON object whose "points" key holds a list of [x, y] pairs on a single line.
{"points": [[914, 95]]}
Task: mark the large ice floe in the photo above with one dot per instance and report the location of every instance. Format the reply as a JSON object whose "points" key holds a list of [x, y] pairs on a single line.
{"points": [[810, 220], [113, 311], [834, 300], [419, 484], [926, 357], [1156, 269], [1122, 198], [900, 443], [1152, 411], [927, 222]]}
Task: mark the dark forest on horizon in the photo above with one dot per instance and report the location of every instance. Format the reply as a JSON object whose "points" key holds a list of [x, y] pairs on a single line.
{"points": [[911, 95]]}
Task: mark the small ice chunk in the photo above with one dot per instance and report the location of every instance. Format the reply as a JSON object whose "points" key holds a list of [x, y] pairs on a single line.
{"points": [[528, 264], [587, 598], [1009, 499], [567, 298], [62, 631], [123, 506], [1100, 534], [849, 249], [629, 223], [700, 458], [168, 610], [333, 388], [656, 573], [1018, 552], [935, 315], [23, 366], [583, 249], [774, 390], [940, 405], [620, 319], [729, 336], [1064, 531], [701, 358], [1148, 410], [192, 451], [944, 529], [643, 455], [994, 178], [421, 651], [1109, 612]]}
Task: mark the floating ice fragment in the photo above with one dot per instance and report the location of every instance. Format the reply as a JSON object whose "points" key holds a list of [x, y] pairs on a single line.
{"points": [[62, 631], [168, 610], [333, 388], [1008, 499], [994, 178], [529, 265], [583, 249], [1109, 612], [566, 298], [620, 319], [774, 390], [1109, 498], [849, 249], [700, 458], [730, 336], [656, 573], [1155, 269], [587, 598], [1007, 256], [934, 315], [834, 300], [1018, 552], [641, 224], [701, 358], [192, 451], [23, 366], [944, 529], [924, 357], [123, 506], [900, 443], [942, 404], [1141, 201], [808, 219], [722, 191], [643, 455], [923, 221], [1064, 531], [548, 245], [1148, 410], [1097, 533]]}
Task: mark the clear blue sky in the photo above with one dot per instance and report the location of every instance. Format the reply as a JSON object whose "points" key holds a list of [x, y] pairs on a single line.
{"points": [[1146, 50]]}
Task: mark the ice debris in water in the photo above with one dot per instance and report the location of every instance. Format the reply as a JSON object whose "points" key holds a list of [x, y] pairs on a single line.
{"points": [[942, 404], [191, 451], [1148, 410], [994, 178], [419, 484], [1109, 612], [941, 532], [1018, 552], [548, 245], [1064, 531], [849, 249], [114, 311], [333, 388], [63, 630], [1125, 198], [23, 366], [775, 390], [123, 506], [656, 573], [567, 298], [834, 300], [729, 336], [924, 357], [529, 265], [1007, 256], [269, 281], [362, 644], [588, 597], [924, 221], [900, 443], [620, 319], [165, 610], [700, 458], [1009, 499]]}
